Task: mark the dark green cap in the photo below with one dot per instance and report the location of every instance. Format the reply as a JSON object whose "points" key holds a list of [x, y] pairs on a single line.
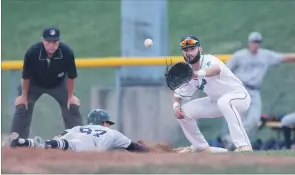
{"points": [[98, 116]]}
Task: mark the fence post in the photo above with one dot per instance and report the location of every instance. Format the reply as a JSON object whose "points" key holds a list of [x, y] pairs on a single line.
{"points": [[118, 98]]}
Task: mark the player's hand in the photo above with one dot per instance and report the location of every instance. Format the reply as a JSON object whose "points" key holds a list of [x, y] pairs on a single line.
{"points": [[179, 113], [73, 100], [21, 100], [195, 76]]}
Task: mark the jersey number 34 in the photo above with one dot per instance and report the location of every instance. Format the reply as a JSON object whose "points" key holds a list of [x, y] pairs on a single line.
{"points": [[96, 132]]}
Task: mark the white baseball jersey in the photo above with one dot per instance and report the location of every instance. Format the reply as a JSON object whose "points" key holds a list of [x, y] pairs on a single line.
{"points": [[95, 138], [214, 87], [227, 97]]}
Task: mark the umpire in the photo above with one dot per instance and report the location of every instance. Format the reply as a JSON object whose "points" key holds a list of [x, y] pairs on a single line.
{"points": [[49, 67]]}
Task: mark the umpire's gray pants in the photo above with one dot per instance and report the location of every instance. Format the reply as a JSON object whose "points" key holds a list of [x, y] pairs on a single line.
{"points": [[22, 117], [252, 118]]}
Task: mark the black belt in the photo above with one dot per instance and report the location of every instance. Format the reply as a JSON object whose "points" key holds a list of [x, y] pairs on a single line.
{"points": [[252, 87]]}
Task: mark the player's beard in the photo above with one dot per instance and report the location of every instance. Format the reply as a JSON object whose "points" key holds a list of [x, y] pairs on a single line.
{"points": [[193, 60]]}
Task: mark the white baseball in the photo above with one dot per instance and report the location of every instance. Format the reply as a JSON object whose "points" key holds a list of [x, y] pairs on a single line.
{"points": [[148, 42]]}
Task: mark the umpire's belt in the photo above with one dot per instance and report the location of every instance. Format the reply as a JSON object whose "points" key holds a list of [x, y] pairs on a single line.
{"points": [[250, 87]]}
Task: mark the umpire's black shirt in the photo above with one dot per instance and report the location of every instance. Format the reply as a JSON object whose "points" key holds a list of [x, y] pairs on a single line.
{"points": [[49, 72]]}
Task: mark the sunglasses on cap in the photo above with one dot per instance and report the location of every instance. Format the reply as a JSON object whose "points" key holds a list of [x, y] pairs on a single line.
{"points": [[189, 42]]}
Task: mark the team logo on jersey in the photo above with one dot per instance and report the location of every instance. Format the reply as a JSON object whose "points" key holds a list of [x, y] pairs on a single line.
{"points": [[209, 64], [52, 32], [202, 86]]}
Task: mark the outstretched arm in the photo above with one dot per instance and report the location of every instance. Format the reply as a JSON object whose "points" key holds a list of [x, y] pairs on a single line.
{"points": [[289, 58], [136, 147], [209, 72]]}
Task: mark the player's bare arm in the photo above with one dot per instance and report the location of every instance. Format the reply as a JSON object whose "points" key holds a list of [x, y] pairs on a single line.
{"points": [[25, 83], [72, 74], [177, 108], [289, 58], [136, 147], [209, 72], [23, 98]]}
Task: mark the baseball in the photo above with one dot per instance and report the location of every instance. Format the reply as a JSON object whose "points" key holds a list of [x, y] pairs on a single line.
{"points": [[148, 42]]}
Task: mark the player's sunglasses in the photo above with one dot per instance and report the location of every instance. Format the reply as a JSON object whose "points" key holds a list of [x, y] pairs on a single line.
{"points": [[188, 42]]}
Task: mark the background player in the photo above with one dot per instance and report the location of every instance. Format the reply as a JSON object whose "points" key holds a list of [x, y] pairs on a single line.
{"points": [[226, 97], [250, 66], [96, 136], [288, 122]]}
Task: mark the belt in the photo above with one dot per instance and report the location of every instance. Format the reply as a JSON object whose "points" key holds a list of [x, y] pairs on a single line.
{"points": [[252, 87]]}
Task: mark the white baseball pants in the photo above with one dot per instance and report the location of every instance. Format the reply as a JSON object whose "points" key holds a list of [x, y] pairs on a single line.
{"points": [[232, 106]]}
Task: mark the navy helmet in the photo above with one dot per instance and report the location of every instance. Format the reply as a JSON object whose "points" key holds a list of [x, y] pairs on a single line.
{"points": [[98, 116]]}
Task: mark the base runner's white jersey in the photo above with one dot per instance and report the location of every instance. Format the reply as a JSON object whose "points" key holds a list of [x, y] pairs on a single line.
{"points": [[215, 86], [103, 137]]}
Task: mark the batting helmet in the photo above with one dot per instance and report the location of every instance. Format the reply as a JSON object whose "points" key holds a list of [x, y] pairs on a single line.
{"points": [[98, 116]]}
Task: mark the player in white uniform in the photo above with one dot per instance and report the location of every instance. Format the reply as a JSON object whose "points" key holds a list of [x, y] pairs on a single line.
{"points": [[226, 97], [96, 136]]}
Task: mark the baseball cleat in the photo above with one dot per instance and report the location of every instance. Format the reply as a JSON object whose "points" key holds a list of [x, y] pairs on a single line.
{"points": [[206, 150], [218, 150], [191, 150], [12, 140], [244, 149], [185, 150]]}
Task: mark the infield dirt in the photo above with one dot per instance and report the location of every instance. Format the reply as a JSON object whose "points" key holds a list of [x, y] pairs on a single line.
{"points": [[25, 160]]}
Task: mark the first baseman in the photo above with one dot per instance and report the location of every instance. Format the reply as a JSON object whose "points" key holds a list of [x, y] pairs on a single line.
{"points": [[96, 136], [226, 97], [250, 66]]}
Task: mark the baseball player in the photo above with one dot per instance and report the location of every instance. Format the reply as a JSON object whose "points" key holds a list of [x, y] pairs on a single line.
{"points": [[96, 136], [288, 122], [226, 97], [250, 66]]}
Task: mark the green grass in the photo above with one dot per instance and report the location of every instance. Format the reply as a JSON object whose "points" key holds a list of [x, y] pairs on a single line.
{"points": [[270, 153], [92, 29]]}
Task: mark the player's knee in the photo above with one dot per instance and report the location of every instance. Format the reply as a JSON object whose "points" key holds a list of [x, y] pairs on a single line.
{"points": [[223, 102], [187, 109]]}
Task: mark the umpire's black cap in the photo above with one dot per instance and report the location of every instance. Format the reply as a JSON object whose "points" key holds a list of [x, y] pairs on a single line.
{"points": [[189, 41], [51, 34]]}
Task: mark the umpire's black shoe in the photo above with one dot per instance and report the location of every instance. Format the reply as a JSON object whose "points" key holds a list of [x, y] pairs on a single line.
{"points": [[12, 140]]}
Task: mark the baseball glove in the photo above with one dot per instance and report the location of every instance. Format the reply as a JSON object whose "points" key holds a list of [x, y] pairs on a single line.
{"points": [[178, 75]]}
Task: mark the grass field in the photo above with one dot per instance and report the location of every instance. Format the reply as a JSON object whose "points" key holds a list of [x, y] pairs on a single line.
{"points": [[91, 27]]}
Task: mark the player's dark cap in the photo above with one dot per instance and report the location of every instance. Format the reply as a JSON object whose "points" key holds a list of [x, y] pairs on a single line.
{"points": [[189, 41], [51, 34], [255, 37], [98, 116]]}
